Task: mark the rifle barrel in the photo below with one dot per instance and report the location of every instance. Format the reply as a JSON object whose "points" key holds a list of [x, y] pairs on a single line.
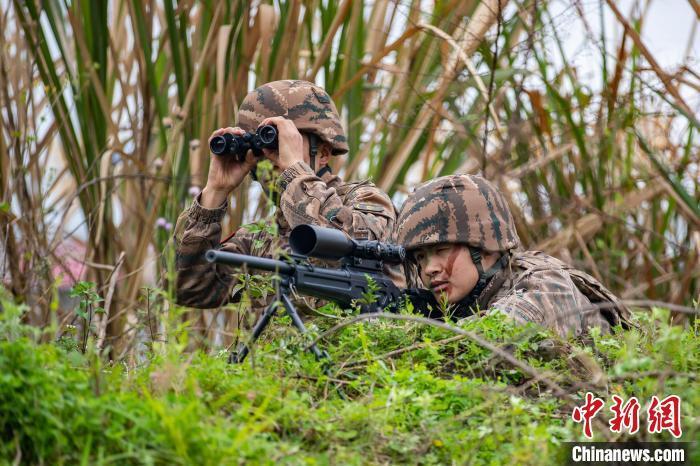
{"points": [[255, 263]]}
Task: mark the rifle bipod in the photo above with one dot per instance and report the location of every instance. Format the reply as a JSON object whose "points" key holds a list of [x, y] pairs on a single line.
{"points": [[238, 355]]}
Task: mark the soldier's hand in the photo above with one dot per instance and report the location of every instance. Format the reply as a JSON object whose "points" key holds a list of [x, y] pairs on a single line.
{"points": [[225, 172], [290, 143]]}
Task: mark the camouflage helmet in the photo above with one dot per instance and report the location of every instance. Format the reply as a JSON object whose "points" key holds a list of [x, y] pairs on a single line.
{"points": [[307, 105], [457, 209]]}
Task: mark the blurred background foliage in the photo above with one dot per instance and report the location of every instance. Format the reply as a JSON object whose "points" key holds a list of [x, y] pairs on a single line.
{"points": [[106, 107]]}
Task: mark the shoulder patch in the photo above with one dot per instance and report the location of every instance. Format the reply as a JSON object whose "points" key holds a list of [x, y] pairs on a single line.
{"points": [[367, 207]]}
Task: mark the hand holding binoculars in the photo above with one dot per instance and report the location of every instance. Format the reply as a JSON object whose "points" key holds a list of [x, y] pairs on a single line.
{"points": [[264, 137]]}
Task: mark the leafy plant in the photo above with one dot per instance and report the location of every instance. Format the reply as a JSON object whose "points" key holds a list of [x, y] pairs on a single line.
{"points": [[88, 306]]}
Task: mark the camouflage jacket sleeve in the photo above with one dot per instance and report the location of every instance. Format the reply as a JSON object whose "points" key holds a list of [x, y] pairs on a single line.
{"points": [[551, 299], [199, 283], [364, 212]]}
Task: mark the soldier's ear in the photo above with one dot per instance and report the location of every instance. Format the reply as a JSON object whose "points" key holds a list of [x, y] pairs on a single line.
{"points": [[324, 155]]}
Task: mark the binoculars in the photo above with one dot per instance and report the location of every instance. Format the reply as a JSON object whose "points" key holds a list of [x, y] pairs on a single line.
{"points": [[237, 146]]}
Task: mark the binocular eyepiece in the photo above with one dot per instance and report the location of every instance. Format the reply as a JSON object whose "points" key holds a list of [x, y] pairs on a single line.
{"points": [[328, 243], [238, 146]]}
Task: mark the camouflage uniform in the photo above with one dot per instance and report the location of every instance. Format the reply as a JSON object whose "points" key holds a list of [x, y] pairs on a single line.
{"points": [[360, 209], [529, 286]]}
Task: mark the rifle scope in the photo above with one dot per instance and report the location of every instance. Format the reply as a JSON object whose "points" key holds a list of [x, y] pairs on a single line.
{"points": [[328, 243], [238, 146]]}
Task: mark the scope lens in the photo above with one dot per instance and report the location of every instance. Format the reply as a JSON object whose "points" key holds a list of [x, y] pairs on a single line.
{"points": [[210, 255], [302, 239]]}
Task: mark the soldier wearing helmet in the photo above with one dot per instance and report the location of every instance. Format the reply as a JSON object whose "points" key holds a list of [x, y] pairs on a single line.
{"points": [[462, 241], [309, 133]]}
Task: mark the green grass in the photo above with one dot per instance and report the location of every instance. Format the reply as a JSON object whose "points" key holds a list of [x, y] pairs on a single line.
{"points": [[440, 404]]}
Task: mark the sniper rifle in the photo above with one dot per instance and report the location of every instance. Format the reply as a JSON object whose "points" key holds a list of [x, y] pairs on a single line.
{"points": [[359, 280]]}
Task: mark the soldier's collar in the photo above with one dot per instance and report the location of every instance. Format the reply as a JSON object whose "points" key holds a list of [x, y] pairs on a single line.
{"points": [[492, 287], [328, 177]]}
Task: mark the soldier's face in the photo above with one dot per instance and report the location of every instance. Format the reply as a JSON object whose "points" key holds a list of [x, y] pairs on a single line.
{"points": [[448, 270]]}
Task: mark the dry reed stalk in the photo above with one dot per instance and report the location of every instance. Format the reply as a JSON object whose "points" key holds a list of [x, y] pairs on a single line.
{"points": [[197, 156], [101, 323], [291, 29], [641, 289], [644, 248], [662, 75], [486, 14], [325, 50], [689, 215], [589, 258], [351, 31], [374, 62], [588, 225], [472, 70], [223, 39], [92, 74], [267, 21], [351, 169], [540, 161], [377, 28]]}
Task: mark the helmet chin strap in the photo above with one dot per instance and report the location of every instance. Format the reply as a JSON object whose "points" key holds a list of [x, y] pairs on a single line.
{"points": [[313, 151], [323, 171]]}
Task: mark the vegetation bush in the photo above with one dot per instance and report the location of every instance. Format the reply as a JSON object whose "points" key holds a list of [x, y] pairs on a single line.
{"points": [[437, 398]]}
